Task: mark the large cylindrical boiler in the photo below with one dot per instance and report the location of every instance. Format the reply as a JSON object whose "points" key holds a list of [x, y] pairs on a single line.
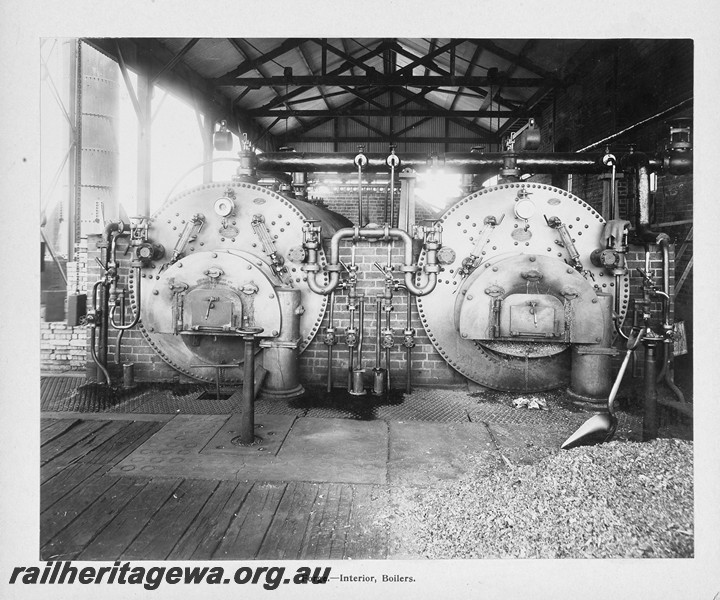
{"points": [[519, 289], [220, 257]]}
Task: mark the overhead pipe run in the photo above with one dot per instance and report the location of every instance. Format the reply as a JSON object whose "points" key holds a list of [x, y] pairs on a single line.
{"points": [[672, 161]]}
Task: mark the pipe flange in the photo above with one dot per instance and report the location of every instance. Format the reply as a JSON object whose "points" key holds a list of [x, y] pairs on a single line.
{"points": [[409, 268]]}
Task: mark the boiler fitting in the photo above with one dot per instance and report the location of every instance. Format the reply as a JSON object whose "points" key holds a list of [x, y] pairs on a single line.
{"points": [[432, 239]]}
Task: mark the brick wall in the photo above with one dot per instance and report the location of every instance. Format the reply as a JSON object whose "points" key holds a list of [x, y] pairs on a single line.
{"points": [[427, 366], [63, 348], [343, 199]]}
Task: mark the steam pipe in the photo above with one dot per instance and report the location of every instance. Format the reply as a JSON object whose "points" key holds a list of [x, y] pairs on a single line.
{"points": [[361, 334], [378, 330], [408, 348], [331, 329], [638, 162], [136, 318], [387, 350], [118, 339], [112, 230], [387, 233], [463, 162], [93, 326]]}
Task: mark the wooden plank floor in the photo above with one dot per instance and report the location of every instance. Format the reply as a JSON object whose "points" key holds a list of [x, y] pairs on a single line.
{"points": [[88, 513]]}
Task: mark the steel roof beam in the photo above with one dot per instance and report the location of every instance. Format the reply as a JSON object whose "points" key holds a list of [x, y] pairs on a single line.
{"points": [[482, 93], [469, 125], [341, 69], [385, 138], [349, 106], [413, 126], [175, 59], [360, 63], [397, 80], [519, 60], [238, 46], [389, 111], [468, 72], [253, 64], [368, 126], [428, 58]]}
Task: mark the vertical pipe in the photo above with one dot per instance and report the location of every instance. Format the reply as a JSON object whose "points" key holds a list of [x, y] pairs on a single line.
{"points": [[378, 329], [387, 350], [361, 335], [352, 306], [93, 326], [329, 368], [144, 143], [118, 339], [360, 198], [207, 132], [392, 194], [357, 385], [650, 425], [247, 415], [331, 331], [408, 349], [75, 202]]}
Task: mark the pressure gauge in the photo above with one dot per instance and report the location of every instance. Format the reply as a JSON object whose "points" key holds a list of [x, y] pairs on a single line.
{"points": [[524, 209], [224, 206]]}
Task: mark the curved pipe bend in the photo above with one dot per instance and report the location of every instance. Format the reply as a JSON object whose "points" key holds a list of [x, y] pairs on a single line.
{"points": [[136, 318], [93, 326], [386, 233]]}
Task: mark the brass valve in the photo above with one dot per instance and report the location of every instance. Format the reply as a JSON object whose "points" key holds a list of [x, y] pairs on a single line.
{"points": [[330, 337], [409, 338], [388, 338]]}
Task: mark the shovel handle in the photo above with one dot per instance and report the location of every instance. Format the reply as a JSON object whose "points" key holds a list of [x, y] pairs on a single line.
{"points": [[632, 343]]}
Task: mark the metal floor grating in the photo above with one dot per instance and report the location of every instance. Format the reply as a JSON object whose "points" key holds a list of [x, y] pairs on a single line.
{"points": [[58, 386], [423, 404]]}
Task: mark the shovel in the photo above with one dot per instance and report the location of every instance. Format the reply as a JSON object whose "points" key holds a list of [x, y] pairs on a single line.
{"points": [[601, 427]]}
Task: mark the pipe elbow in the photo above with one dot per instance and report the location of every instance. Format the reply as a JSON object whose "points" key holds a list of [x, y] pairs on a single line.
{"points": [[340, 234], [422, 290], [646, 235], [663, 240], [319, 289]]}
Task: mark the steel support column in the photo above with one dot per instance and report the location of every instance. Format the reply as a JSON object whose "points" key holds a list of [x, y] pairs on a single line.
{"points": [[144, 104]]}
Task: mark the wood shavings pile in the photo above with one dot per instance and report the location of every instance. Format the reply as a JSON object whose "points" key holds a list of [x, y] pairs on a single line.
{"points": [[615, 500]]}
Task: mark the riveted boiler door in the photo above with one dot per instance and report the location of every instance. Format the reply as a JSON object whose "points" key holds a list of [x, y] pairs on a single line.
{"points": [[492, 226], [194, 308], [246, 219]]}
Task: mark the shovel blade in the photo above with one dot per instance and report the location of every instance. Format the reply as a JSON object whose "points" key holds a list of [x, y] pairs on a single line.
{"points": [[597, 429]]}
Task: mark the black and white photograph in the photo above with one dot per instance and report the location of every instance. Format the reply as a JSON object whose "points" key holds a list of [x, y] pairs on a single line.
{"points": [[320, 311]]}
